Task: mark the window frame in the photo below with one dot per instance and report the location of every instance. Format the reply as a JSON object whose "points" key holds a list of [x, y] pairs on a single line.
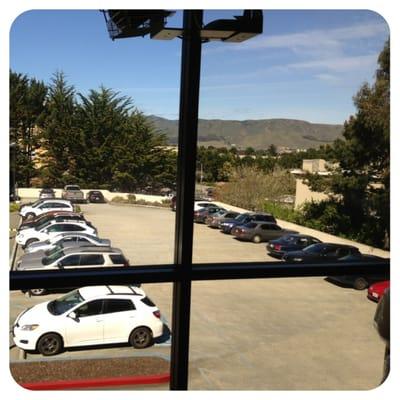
{"points": [[183, 271]]}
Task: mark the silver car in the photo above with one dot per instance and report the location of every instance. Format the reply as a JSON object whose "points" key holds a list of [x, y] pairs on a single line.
{"points": [[77, 238]]}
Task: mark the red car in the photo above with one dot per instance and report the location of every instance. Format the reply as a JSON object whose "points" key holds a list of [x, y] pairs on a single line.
{"points": [[375, 291]]}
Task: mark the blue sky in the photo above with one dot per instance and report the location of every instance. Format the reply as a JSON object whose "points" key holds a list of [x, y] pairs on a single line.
{"points": [[306, 65]]}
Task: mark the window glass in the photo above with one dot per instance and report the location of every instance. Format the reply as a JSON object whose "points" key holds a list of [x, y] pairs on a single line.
{"points": [[71, 260], [117, 259], [117, 305], [91, 259], [89, 309]]}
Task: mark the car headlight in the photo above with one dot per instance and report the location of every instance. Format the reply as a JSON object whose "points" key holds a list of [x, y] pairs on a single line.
{"points": [[31, 327]]}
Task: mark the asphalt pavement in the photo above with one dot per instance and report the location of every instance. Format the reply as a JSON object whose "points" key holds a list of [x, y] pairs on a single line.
{"points": [[255, 334]]}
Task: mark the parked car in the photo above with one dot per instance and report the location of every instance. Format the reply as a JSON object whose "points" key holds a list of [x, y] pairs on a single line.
{"points": [[214, 221], [73, 193], [51, 229], [359, 281], [28, 259], [201, 214], [95, 196], [31, 204], [43, 206], [203, 204], [290, 242], [52, 216], [76, 257], [244, 218], [94, 315], [47, 193], [376, 290], [259, 231], [77, 238], [320, 252], [173, 203]]}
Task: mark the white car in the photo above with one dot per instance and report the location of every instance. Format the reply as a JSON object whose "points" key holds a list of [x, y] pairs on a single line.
{"points": [[40, 207], [67, 238], [93, 315], [51, 229]]}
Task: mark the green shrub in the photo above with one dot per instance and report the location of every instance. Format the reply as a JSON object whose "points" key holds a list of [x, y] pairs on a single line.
{"points": [[119, 199], [131, 199], [14, 207]]}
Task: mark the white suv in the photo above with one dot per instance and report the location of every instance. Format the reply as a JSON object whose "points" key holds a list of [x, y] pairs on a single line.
{"points": [[93, 315], [51, 229], [43, 206]]}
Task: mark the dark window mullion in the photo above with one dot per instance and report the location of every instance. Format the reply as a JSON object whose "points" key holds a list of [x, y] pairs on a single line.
{"points": [[188, 121]]}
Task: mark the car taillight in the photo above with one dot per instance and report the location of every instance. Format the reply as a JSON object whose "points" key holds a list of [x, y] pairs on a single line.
{"points": [[157, 314], [277, 246]]}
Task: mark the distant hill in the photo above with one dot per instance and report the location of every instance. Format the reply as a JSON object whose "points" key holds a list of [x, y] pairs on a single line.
{"points": [[259, 134]]}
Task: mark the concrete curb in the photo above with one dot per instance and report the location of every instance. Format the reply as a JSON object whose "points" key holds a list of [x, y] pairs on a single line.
{"points": [[100, 382]]}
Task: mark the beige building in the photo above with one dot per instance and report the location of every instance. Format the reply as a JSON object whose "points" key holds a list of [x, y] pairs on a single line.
{"points": [[303, 192]]}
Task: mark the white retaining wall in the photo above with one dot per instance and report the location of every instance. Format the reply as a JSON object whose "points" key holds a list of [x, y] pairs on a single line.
{"points": [[325, 237]]}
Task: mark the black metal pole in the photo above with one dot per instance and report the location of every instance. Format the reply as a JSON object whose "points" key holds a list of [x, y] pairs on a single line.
{"points": [[188, 119]]}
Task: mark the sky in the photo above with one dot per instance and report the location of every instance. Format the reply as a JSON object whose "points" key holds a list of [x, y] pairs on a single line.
{"points": [[307, 64]]}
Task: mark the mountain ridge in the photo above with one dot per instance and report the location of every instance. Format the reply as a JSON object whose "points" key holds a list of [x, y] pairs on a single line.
{"points": [[256, 133]]}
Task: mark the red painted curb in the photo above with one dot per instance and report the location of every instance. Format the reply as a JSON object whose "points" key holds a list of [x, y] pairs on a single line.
{"points": [[86, 383]]}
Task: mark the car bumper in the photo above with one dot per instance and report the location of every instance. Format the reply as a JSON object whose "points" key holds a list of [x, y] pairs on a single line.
{"points": [[25, 340]]}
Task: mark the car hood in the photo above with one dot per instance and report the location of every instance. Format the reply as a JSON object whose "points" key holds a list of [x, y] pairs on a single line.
{"points": [[32, 257], [33, 315]]}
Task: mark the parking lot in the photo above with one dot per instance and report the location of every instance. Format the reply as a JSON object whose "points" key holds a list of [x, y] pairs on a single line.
{"points": [[298, 333]]}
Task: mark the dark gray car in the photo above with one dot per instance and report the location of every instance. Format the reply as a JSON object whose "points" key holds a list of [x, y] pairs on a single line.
{"points": [[259, 231]]}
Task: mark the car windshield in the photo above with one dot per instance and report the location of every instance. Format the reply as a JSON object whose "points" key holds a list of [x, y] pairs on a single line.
{"points": [[65, 303], [54, 257], [241, 217], [37, 202], [54, 250], [314, 248], [42, 225], [289, 239]]}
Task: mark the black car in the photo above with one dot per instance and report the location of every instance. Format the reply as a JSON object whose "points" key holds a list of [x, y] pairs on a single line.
{"points": [[360, 281], [95, 196], [228, 225], [321, 252], [291, 242]]}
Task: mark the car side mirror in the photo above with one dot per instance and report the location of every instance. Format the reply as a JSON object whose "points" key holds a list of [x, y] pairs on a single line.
{"points": [[73, 316]]}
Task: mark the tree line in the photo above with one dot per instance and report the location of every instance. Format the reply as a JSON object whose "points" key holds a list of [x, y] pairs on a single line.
{"points": [[99, 140]]}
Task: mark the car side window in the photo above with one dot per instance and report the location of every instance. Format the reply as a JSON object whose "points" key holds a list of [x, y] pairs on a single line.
{"points": [[82, 240], [72, 260], [89, 309], [117, 305], [117, 259], [92, 259], [55, 228], [73, 228]]}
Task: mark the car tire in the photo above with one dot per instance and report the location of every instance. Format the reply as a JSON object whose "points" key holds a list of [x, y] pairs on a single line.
{"points": [[141, 338], [30, 241], [50, 344], [256, 239], [360, 284], [37, 292]]}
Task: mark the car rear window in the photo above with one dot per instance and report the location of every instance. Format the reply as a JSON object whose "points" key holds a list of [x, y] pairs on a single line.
{"points": [[117, 305], [118, 259], [148, 302]]}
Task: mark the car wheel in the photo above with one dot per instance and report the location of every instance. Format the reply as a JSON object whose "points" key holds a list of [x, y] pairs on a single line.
{"points": [[30, 241], [360, 284], [257, 239], [37, 292], [141, 337], [50, 344]]}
